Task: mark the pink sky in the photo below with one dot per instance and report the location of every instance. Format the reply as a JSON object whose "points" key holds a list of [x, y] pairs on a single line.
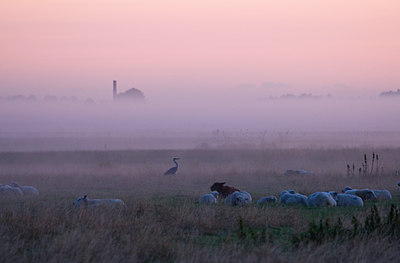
{"points": [[70, 47]]}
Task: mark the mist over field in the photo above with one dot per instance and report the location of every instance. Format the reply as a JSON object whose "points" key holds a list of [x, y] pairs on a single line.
{"points": [[188, 122]]}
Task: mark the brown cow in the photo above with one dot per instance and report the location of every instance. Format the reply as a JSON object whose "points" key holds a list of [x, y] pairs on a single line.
{"points": [[223, 190]]}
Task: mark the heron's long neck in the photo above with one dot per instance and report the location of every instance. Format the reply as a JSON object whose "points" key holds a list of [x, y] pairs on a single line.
{"points": [[176, 163]]}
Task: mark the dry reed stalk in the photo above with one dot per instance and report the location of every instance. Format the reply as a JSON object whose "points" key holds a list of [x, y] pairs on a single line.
{"points": [[372, 164]]}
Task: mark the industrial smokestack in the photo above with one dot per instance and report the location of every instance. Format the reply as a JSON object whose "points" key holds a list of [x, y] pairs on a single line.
{"points": [[114, 89]]}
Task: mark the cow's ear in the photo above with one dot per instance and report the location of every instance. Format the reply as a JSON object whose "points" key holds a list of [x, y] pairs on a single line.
{"points": [[85, 196]]}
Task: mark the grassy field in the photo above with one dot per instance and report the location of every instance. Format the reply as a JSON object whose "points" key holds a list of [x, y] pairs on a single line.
{"points": [[164, 222]]}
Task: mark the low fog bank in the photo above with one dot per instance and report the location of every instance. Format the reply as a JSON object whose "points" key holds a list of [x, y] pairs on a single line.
{"points": [[172, 123], [213, 140]]}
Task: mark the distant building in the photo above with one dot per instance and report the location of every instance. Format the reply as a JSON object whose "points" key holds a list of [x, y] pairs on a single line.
{"points": [[129, 95]]}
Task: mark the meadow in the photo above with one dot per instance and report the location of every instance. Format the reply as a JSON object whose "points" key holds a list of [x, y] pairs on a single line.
{"points": [[164, 222]]}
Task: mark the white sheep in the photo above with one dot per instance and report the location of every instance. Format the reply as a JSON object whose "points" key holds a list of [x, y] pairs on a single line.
{"points": [[365, 194], [83, 201], [297, 172], [215, 194], [267, 199], [290, 197], [286, 192], [248, 195], [238, 198], [320, 199], [26, 190], [382, 194], [349, 200], [346, 188], [9, 191], [209, 198]]}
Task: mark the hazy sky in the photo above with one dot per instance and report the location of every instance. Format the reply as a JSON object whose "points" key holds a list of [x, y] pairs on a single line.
{"points": [[71, 47]]}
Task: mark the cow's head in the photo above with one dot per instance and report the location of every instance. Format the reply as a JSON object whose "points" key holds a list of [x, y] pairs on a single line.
{"points": [[217, 186]]}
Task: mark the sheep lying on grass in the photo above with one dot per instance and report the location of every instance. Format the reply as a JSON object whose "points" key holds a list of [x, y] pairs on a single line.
{"points": [[290, 197], [238, 198], [346, 188], [267, 200], [379, 194], [83, 201], [215, 194], [9, 191], [382, 195], [347, 200], [209, 198], [320, 199], [365, 194], [297, 172], [26, 190]]}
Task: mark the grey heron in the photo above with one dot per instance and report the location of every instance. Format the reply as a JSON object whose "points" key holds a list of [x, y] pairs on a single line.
{"points": [[173, 170]]}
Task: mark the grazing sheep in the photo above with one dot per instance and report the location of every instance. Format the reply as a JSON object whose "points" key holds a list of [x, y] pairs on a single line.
{"points": [[320, 199], [267, 199], [290, 197], [238, 199], [209, 198], [223, 190], [346, 188], [365, 194], [382, 194], [297, 172], [83, 201], [9, 191], [26, 190]]}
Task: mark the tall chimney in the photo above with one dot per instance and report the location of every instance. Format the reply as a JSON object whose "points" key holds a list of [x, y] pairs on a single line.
{"points": [[114, 89]]}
